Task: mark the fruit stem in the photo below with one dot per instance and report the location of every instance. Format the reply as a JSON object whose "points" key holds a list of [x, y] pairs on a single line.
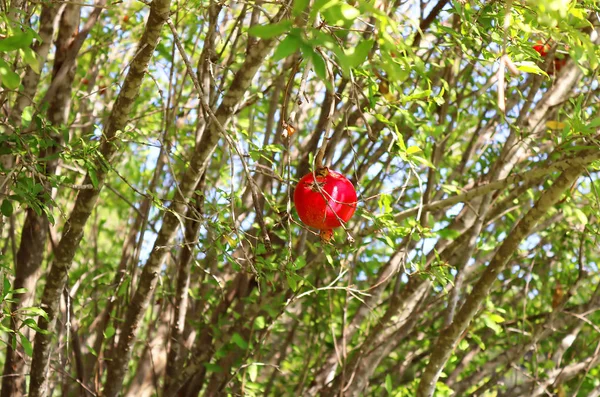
{"points": [[326, 235]]}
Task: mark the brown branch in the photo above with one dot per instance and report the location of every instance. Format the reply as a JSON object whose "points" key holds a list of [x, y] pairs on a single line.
{"points": [[172, 219], [449, 336], [583, 157], [86, 199], [425, 23]]}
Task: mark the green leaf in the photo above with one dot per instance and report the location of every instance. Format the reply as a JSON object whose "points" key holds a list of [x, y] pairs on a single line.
{"points": [[388, 384], [253, 372], [27, 347], [210, 367], [417, 94], [26, 116], [239, 341], [29, 322], [34, 311], [6, 208], [287, 47], [93, 176], [581, 216], [594, 123], [17, 41], [9, 79], [259, 323], [478, 340], [320, 67], [358, 54], [385, 203], [292, 282], [91, 349], [31, 59], [496, 318], [349, 12], [319, 6], [413, 150], [109, 332], [423, 161], [529, 67], [490, 323], [299, 7], [271, 30], [340, 14]]}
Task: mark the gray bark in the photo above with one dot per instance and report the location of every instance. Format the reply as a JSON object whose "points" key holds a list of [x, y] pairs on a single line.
{"points": [[86, 199]]}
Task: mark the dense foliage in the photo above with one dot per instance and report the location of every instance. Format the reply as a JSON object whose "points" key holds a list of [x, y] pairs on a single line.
{"points": [[149, 157]]}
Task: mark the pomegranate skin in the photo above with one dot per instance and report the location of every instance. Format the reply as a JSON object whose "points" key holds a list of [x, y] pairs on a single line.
{"points": [[541, 49], [313, 208]]}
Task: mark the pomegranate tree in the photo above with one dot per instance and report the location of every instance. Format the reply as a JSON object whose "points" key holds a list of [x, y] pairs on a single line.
{"points": [[325, 202]]}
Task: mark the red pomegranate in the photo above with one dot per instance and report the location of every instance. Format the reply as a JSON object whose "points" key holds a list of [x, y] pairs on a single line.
{"points": [[558, 62], [319, 201], [541, 48]]}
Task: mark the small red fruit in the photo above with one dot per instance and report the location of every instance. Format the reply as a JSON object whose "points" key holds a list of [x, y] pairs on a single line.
{"points": [[541, 48], [325, 203]]}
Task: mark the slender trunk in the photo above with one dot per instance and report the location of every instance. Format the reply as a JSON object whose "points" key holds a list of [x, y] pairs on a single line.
{"points": [[86, 199], [153, 360], [35, 228], [170, 225], [449, 336], [192, 229]]}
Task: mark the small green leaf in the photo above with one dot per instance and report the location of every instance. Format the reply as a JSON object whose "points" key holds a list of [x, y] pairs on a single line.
{"points": [[93, 177], [91, 349], [26, 116], [29, 322], [581, 216], [27, 347], [413, 150], [253, 372], [9, 79], [529, 67], [6, 208], [292, 283], [299, 7], [239, 341], [349, 12], [417, 94], [109, 332], [271, 30], [358, 55], [287, 47], [423, 161], [478, 340], [340, 13], [30, 58], [210, 367], [17, 41], [491, 324], [388, 384], [320, 67], [259, 323], [34, 311]]}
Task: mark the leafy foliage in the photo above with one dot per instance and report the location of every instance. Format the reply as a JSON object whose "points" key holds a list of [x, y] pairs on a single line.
{"points": [[450, 125]]}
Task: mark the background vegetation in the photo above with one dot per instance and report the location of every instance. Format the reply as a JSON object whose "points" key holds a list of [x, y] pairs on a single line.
{"points": [[149, 242]]}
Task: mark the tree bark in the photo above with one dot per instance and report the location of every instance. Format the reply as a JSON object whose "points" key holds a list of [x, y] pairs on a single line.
{"points": [[171, 221], [35, 228], [86, 199], [449, 336]]}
